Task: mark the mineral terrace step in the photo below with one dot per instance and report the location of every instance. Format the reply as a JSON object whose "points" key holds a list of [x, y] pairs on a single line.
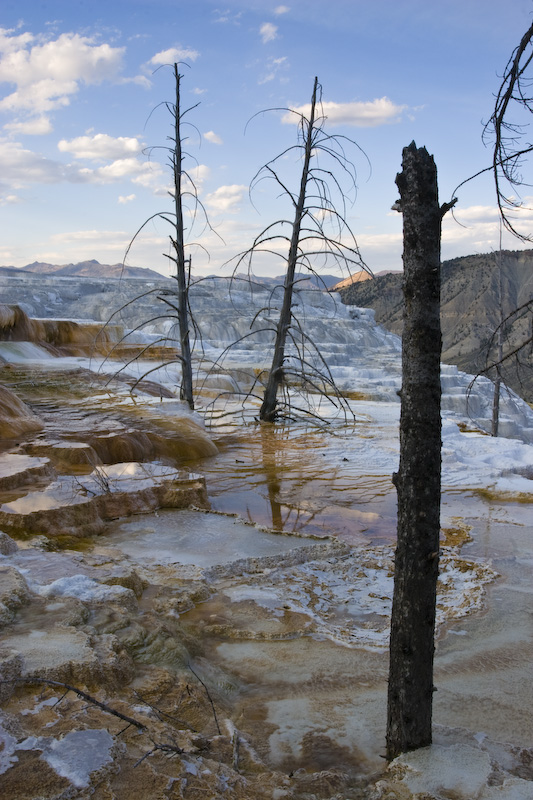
{"points": [[81, 506], [18, 470]]}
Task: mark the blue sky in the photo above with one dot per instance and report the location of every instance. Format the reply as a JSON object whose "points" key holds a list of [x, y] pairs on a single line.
{"points": [[80, 95]]}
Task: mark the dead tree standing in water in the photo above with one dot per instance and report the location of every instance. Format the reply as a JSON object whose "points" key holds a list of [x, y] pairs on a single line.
{"points": [[410, 694], [275, 378], [317, 231], [182, 276], [178, 301]]}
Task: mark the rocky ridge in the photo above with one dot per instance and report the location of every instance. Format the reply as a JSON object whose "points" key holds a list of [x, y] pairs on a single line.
{"points": [[470, 313]]}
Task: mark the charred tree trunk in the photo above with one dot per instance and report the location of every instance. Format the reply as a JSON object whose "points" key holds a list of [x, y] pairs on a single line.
{"points": [[275, 378], [410, 692], [186, 392]]}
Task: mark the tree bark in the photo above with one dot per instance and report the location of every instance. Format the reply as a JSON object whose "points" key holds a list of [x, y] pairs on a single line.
{"points": [[418, 481]]}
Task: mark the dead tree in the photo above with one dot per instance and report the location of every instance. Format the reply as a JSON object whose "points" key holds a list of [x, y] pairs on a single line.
{"points": [[318, 231], [506, 133], [275, 378], [178, 244], [183, 189], [410, 692]]}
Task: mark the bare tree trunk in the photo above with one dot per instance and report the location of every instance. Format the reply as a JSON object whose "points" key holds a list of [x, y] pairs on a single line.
{"points": [[186, 392], [275, 378], [410, 692]]}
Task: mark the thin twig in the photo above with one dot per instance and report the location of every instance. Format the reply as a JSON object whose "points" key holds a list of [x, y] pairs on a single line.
{"points": [[208, 697], [92, 700]]}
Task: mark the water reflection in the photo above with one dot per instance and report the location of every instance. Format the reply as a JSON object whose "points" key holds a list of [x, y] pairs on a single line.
{"points": [[272, 477], [300, 481], [274, 448]]}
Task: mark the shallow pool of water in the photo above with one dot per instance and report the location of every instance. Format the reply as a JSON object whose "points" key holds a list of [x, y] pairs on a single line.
{"points": [[192, 537]]}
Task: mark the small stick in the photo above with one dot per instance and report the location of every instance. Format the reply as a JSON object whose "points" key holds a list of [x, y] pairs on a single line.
{"points": [[208, 697]]}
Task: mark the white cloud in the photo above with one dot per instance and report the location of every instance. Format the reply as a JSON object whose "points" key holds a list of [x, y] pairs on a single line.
{"points": [[369, 114], [10, 200], [268, 32], [46, 74], [379, 241], [140, 80], [101, 147], [273, 67], [123, 199], [477, 228], [118, 170], [478, 214], [39, 126], [41, 95], [152, 177], [89, 236], [199, 173], [192, 183], [173, 55], [199, 91], [11, 43], [481, 223], [281, 10], [225, 198], [224, 16], [212, 137], [472, 229], [159, 180], [19, 167]]}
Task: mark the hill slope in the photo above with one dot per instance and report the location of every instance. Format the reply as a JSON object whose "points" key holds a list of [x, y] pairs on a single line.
{"points": [[469, 309]]}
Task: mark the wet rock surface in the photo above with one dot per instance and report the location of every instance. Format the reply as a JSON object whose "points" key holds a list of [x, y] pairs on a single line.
{"points": [[105, 663], [226, 677], [149, 651]]}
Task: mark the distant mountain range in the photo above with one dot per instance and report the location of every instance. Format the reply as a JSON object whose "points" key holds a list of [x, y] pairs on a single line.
{"points": [[84, 269], [93, 269], [470, 290]]}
